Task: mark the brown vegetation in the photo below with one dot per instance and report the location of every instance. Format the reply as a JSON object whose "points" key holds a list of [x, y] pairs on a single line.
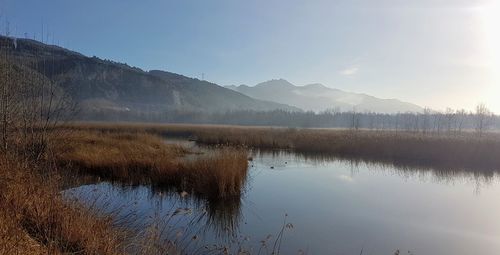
{"points": [[466, 151], [140, 158], [220, 174], [35, 219]]}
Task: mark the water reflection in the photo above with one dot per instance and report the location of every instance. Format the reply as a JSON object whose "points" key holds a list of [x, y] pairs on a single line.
{"points": [[338, 204], [219, 216], [422, 172]]}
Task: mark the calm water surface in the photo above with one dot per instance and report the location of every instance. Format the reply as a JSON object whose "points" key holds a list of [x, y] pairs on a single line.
{"points": [[336, 207]]}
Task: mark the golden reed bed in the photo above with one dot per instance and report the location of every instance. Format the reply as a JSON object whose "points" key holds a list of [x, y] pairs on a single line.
{"points": [[466, 151], [141, 158]]}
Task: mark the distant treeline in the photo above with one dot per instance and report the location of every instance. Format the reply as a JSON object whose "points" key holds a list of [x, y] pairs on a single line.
{"points": [[450, 121]]}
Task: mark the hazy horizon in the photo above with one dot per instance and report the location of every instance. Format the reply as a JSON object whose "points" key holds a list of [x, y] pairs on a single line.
{"points": [[435, 54]]}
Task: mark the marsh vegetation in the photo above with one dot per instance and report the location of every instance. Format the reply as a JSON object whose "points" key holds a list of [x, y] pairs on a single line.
{"points": [[35, 210], [141, 158], [35, 219], [465, 151]]}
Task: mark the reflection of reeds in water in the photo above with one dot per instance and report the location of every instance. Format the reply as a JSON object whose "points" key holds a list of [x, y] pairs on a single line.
{"points": [[407, 166], [186, 224], [223, 217], [181, 223], [219, 221], [220, 217], [424, 173]]}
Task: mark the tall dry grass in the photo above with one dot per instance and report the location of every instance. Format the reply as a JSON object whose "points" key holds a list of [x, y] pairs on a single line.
{"points": [[36, 219], [141, 158], [122, 156], [219, 174], [467, 151]]}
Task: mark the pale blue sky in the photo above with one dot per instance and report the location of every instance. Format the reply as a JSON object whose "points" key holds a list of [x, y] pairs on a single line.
{"points": [[435, 53]]}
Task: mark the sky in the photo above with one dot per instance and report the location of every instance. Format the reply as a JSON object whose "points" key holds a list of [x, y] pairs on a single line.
{"points": [[435, 53]]}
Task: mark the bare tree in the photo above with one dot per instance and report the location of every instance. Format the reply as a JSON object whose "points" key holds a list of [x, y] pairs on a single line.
{"points": [[461, 118], [30, 103], [7, 94], [450, 118], [355, 119], [483, 118], [426, 120]]}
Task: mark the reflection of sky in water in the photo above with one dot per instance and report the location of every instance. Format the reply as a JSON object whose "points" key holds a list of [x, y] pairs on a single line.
{"points": [[338, 207]]}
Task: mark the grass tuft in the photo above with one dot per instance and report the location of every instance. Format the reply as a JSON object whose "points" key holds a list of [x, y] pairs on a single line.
{"points": [[140, 158]]}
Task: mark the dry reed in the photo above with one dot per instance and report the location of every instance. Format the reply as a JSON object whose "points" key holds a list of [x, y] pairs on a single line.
{"points": [[467, 151], [140, 158], [36, 219]]}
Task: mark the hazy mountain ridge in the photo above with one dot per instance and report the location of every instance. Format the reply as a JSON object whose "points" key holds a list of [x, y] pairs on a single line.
{"points": [[98, 84], [317, 97]]}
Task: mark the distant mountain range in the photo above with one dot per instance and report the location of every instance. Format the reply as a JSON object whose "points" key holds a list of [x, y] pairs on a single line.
{"points": [[97, 84], [317, 98]]}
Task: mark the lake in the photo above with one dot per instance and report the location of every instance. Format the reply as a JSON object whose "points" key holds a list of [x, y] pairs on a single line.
{"points": [[333, 207]]}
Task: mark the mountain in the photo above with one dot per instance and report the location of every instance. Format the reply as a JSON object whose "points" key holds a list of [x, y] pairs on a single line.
{"points": [[98, 85], [317, 97]]}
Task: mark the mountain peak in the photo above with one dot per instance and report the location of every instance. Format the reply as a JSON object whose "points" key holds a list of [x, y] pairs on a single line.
{"points": [[276, 83], [317, 97], [315, 85]]}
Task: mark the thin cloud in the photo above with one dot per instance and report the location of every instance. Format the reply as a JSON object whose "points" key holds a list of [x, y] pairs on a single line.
{"points": [[349, 71]]}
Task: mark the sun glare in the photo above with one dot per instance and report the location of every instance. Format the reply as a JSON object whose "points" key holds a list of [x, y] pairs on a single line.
{"points": [[491, 22], [490, 16]]}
